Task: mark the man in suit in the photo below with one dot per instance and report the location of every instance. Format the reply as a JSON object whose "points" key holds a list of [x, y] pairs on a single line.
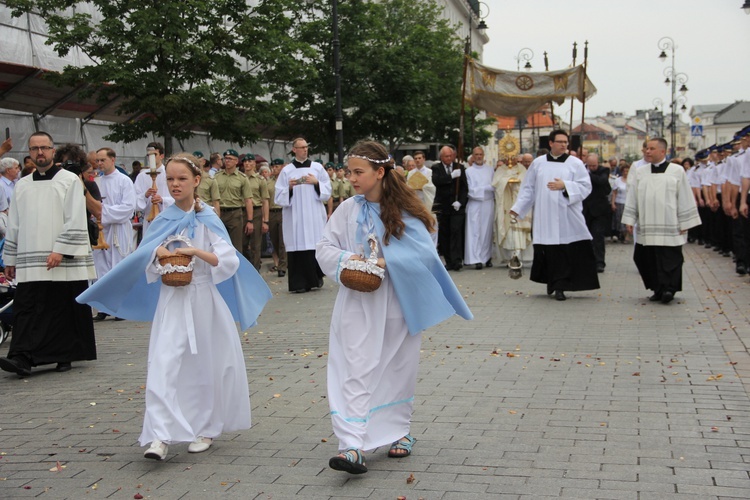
{"points": [[596, 208], [452, 194]]}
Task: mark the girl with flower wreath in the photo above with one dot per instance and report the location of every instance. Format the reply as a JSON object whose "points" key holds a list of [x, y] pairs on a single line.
{"points": [[375, 336], [196, 387]]}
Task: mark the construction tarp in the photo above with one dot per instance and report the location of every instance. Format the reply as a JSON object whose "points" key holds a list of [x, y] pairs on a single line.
{"points": [[521, 93]]}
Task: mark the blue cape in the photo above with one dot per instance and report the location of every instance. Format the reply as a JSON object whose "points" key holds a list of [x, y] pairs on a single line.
{"points": [[425, 291], [124, 291]]}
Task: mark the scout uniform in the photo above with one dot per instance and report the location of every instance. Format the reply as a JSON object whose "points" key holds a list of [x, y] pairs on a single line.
{"points": [[274, 223], [259, 195], [234, 189]]}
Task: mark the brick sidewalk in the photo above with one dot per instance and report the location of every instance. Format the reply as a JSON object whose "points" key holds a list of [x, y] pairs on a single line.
{"points": [[603, 396]]}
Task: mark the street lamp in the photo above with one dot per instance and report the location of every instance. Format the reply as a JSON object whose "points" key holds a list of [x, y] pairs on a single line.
{"points": [[674, 78], [525, 54], [659, 106], [746, 7]]}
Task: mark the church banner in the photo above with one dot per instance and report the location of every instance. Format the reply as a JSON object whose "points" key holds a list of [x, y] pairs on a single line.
{"points": [[520, 93]]}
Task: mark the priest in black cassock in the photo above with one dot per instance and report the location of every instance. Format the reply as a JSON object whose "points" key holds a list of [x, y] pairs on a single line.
{"points": [[660, 201], [47, 251], [555, 186]]}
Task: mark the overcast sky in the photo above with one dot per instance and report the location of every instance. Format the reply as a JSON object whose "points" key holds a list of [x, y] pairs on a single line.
{"points": [[712, 38]]}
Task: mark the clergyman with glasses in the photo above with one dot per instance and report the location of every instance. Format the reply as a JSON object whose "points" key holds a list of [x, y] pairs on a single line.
{"points": [[47, 251], [555, 186]]}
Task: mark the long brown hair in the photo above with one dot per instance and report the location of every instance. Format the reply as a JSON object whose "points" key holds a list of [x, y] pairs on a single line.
{"points": [[396, 195], [191, 162]]}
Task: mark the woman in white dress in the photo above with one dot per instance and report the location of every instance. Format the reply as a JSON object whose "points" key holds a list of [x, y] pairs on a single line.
{"points": [[375, 337], [196, 387]]}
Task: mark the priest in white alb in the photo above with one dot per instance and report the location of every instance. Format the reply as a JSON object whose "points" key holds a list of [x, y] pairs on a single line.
{"points": [[118, 205], [480, 212], [555, 186], [145, 194], [302, 188], [515, 238], [661, 203]]}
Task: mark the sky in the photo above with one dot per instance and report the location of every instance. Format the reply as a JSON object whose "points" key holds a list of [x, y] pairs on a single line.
{"points": [[712, 39]]}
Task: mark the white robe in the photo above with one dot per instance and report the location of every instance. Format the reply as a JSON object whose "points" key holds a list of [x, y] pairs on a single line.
{"points": [[118, 205], [558, 220], [142, 184], [303, 213], [372, 359], [662, 205], [196, 383], [480, 215], [427, 195], [516, 238]]}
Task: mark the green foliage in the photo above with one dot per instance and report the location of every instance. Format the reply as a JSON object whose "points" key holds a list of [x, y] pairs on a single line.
{"points": [[401, 69], [179, 64]]}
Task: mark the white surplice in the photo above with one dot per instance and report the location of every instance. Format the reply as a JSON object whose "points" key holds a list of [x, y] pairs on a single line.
{"points": [[558, 219], [118, 205], [372, 359], [197, 383], [480, 215], [143, 183], [662, 205], [303, 213]]}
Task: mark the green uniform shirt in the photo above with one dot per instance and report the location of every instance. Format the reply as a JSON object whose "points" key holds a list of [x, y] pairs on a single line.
{"points": [[259, 189], [271, 185], [346, 190], [208, 190], [335, 189], [234, 189]]}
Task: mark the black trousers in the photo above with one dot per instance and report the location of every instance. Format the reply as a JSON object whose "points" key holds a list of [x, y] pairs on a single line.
{"points": [[739, 245], [451, 236], [569, 267], [599, 227], [722, 228]]}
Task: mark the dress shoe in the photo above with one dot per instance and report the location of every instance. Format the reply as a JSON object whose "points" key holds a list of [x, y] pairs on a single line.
{"points": [[19, 366], [560, 295], [458, 267], [118, 319], [478, 266], [100, 316], [726, 253], [488, 264], [281, 274], [667, 297], [63, 367], [320, 283], [656, 297], [200, 445], [600, 268], [707, 245], [157, 450], [741, 269]]}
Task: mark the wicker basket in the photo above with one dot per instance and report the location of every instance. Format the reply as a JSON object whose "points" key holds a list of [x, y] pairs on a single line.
{"points": [[363, 276], [176, 278], [176, 269]]}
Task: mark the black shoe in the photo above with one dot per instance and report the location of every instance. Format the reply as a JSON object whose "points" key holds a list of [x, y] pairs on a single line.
{"points": [[667, 297], [16, 365], [560, 295], [281, 274], [726, 254], [691, 240], [655, 297], [488, 264], [600, 268], [101, 316], [707, 245], [320, 283], [741, 269], [458, 267], [478, 267], [118, 319], [63, 367]]}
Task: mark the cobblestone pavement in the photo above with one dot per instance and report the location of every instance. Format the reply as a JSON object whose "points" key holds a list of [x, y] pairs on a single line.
{"points": [[604, 396]]}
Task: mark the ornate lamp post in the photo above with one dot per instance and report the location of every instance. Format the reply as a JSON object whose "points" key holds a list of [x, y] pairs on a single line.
{"points": [[525, 54], [746, 7], [674, 78], [659, 106]]}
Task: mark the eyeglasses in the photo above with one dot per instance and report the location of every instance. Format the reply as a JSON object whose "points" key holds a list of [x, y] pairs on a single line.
{"points": [[560, 142], [40, 149]]}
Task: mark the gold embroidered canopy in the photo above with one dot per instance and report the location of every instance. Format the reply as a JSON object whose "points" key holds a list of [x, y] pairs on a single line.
{"points": [[514, 93]]}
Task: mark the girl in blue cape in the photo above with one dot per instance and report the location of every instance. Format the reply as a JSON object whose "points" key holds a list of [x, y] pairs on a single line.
{"points": [[196, 387], [375, 337]]}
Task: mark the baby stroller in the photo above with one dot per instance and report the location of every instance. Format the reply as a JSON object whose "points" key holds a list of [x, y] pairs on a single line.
{"points": [[7, 292]]}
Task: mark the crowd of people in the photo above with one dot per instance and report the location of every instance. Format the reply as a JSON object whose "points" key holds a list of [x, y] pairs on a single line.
{"points": [[71, 242]]}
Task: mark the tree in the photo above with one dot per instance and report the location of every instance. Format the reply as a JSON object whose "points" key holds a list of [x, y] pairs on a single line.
{"points": [[401, 70], [179, 64]]}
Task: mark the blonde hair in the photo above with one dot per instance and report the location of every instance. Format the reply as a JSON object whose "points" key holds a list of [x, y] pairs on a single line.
{"points": [[191, 162]]}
